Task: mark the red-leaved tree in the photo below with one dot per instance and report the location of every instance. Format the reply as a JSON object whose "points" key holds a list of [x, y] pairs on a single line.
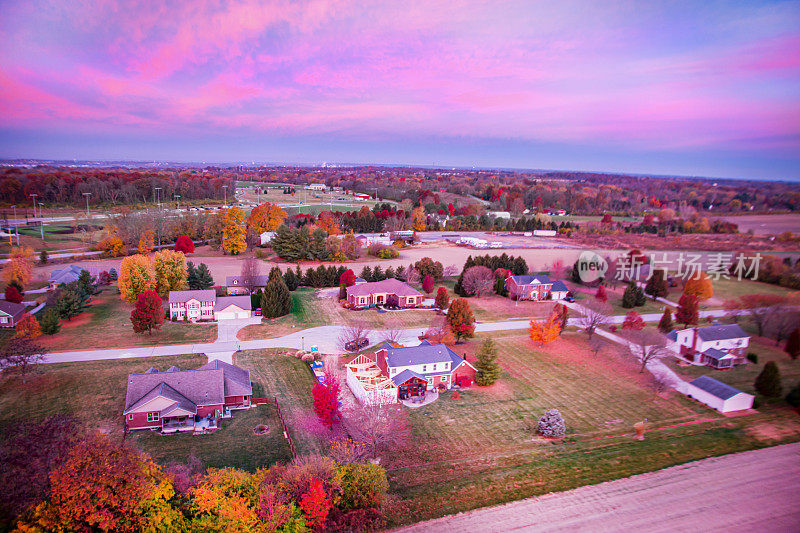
{"points": [[13, 295], [348, 278], [442, 298], [315, 503], [633, 320], [427, 284], [326, 399], [601, 294], [147, 314], [688, 310], [184, 244]]}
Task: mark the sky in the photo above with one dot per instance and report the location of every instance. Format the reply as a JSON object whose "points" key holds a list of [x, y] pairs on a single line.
{"points": [[700, 88]]}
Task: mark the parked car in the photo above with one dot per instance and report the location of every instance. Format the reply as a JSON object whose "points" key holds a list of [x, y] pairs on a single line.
{"points": [[256, 312], [356, 345], [569, 299]]}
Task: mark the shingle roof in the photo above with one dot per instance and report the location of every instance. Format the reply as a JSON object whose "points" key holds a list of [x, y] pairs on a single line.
{"points": [[532, 279], [201, 387], [673, 335], [559, 285], [238, 281], [722, 332], [717, 354], [12, 309], [715, 388], [66, 275], [208, 295], [165, 391], [424, 354], [389, 286], [237, 380], [405, 375], [243, 302]]}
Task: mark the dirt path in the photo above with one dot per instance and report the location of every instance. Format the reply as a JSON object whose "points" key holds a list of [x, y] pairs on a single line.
{"points": [[749, 491]]}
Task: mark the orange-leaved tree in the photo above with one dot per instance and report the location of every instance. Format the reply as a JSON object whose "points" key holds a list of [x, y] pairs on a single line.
{"points": [[265, 217], [461, 320], [28, 326], [147, 242], [136, 275], [19, 267], [315, 503], [700, 286], [233, 231], [544, 331]]}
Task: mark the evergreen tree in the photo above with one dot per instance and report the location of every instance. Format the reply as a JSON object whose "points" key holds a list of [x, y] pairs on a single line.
{"points": [[204, 279], [299, 275], [50, 323], [768, 382], [255, 299], [70, 302], [290, 279], [793, 398], [343, 292], [551, 424], [191, 276], [500, 286], [275, 273], [112, 273], [276, 300], [85, 283], [458, 289], [633, 296], [657, 285], [366, 273], [665, 324], [487, 366], [377, 274], [793, 343]]}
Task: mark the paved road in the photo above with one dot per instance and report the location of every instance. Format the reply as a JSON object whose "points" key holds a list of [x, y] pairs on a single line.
{"points": [[749, 491]]}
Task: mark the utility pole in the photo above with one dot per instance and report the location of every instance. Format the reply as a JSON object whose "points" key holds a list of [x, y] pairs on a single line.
{"points": [[41, 221], [16, 222], [160, 214], [87, 195], [33, 197], [226, 194], [178, 204]]}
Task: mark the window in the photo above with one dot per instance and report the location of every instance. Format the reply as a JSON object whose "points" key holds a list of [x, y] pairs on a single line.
{"points": [[152, 417], [424, 368], [130, 417], [434, 367], [394, 371], [444, 379]]}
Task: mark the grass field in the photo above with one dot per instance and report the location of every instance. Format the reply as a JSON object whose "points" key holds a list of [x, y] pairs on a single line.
{"points": [[733, 288], [106, 324]]}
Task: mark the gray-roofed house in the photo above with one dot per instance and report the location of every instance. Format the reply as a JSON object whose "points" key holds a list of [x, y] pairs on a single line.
{"points": [[186, 400], [236, 284], [192, 305], [719, 346], [536, 287], [10, 313], [387, 292], [718, 395], [231, 307], [68, 275]]}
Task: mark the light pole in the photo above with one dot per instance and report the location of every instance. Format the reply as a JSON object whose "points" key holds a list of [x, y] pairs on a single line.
{"points": [[226, 194], [158, 196], [41, 221], [33, 197], [16, 231], [178, 200], [87, 195]]}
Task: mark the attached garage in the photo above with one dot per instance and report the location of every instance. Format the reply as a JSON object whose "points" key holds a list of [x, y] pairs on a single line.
{"points": [[718, 395], [232, 307]]}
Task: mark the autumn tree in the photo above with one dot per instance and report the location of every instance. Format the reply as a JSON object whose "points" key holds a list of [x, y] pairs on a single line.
{"points": [[19, 267], [665, 324], [136, 275], [478, 281], [439, 334], [326, 399], [601, 295], [442, 298], [184, 244], [22, 354], [111, 245], [148, 313], [147, 242], [562, 316], [594, 315], [13, 295], [768, 382], [251, 270], [793, 343], [226, 499], [645, 346], [233, 231], [633, 320], [315, 504], [265, 217], [688, 310], [700, 286], [544, 331], [28, 326], [170, 271], [348, 278], [378, 423], [427, 284], [486, 364], [428, 267], [418, 219], [657, 286], [461, 320]]}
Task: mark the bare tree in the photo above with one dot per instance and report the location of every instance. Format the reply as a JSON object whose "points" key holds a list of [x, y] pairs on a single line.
{"points": [[595, 345], [595, 314], [450, 271], [557, 269], [661, 381], [391, 332], [21, 354], [352, 335], [645, 346], [250, 271], [377, 423], [478, 281]]}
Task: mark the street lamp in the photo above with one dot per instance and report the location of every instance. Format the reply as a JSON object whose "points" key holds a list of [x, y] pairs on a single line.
{"points": [[87, 195], [158, 195], [178, 202], [226, 194], [16, 230], [41, 221], [33, 197]]}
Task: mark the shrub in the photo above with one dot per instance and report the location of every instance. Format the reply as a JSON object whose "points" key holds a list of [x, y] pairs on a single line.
{"points": [[752, 357], [456, 395], [364, 486], [260, 254], [768, 382], [793, 398], [43, 257], [551, 424]]}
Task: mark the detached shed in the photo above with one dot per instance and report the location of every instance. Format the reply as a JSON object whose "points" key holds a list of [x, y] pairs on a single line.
{"points": [[718, 395]]}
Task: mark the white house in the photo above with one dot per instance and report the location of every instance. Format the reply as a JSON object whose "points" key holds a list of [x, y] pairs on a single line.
{"points": [[232, 307], [718, 395], [717, 346], [316, 187], [206, 305], [266, 237]]}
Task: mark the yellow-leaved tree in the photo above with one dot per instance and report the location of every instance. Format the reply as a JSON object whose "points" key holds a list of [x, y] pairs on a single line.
{"points": [[544, 331], [265, 217], [170, 269], [136, 275], [699, 285], [233, 233], [19, 267], [147, 242], [418, 218]]}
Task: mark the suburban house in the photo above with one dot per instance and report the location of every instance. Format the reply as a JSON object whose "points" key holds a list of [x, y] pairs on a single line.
{"points": [[206, 305], [403, 372], [717, 346], [186, 400], [10, 313], [536, 287], [718, 395], [235, 284], [389, 291], [266, 237], [68, 275]]}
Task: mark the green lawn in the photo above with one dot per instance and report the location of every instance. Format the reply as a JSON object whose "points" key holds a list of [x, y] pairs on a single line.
{"points": [[106, 324], [733, 288]]}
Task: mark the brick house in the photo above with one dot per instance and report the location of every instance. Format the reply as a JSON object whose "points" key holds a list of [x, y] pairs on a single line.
{"points": [[717, 346], [206, 305], [10, 313], [235, 284], [186, 400], [536, 287], [388, 291]]}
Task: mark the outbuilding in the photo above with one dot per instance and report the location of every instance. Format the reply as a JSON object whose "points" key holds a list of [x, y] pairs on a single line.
{"points": [[718, 395]]}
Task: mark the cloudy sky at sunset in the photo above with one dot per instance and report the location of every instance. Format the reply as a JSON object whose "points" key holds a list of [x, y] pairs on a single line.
{"points": [[697, 88]]}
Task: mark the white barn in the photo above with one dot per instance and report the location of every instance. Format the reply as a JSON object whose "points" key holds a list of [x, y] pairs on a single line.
{"points": [[718, 395]]}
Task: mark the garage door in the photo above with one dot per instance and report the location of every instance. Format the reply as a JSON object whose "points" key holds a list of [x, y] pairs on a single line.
{"points": [[243, 314], [226, 315]]}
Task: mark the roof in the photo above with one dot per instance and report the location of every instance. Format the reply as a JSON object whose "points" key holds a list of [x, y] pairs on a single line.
{"points": [[237, 380], [532, 279], [715, 388], [405, 375], [66, 275], [12, 309], [559, 285], [389, 286], [673, 335], [713, 353], [243, 302], [424, 354], [168, 392], [721, 332], [208, 295], [238, 281], [200, 387]]}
